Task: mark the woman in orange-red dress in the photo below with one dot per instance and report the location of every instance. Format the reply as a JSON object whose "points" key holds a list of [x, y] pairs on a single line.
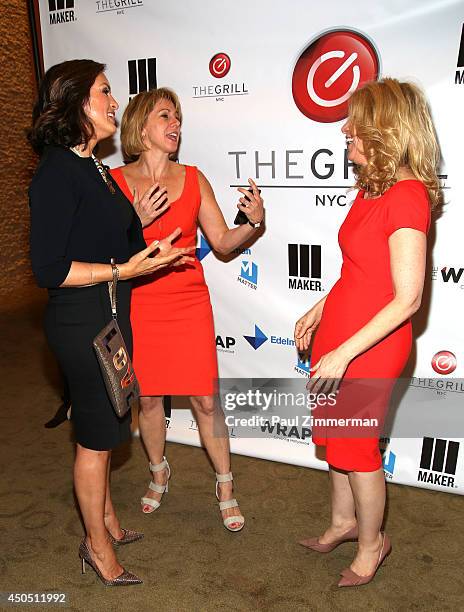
{"points": [[364, 332], [172, 320]]}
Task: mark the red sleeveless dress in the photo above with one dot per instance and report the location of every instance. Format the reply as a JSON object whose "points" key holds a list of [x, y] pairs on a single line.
{"points": [[364, 288], [171, 315]]}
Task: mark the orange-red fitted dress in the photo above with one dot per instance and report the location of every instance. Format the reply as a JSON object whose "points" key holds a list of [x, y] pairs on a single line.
{"points": [[171, 315], [364, 288]]}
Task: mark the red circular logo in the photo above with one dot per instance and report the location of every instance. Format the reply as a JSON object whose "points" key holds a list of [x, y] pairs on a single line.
{"points": [[444, 362], [219, 65], [329, 71]]}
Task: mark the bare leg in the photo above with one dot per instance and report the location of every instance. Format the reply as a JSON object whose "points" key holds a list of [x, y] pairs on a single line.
{"points": [[90, 482], [369, 495], [152, 425], [343, 507], [214, 435], [111, 520]]}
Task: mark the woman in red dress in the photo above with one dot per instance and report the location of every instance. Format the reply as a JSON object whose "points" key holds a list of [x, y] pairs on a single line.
{"points": [[364, 328], [172, 320]]}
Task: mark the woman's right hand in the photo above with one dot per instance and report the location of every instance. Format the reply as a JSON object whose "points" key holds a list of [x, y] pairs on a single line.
{"points": [[152, 204], [306, 325], [141, 263]]}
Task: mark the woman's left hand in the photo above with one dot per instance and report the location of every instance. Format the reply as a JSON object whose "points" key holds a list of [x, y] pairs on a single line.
{"points": [[252, 203], [328, 372]]}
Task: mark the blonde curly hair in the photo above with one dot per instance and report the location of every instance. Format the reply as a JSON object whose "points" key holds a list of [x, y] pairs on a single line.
{"points": [[393, 120]]}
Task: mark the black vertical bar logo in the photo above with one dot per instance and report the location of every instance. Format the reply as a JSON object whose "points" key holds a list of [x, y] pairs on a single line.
{"points": [[304, 260], [439, 455], [60, 5], [142, 75], [460, 63]]}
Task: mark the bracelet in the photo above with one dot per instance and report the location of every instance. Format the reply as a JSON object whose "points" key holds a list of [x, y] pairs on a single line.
{"points": [[115, 270]]}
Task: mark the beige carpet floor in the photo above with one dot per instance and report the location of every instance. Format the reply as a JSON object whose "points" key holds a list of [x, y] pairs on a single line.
{"points": [[188, 561]]}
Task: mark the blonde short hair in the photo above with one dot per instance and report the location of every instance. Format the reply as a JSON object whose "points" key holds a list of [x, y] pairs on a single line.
{"points": [[393, 120], [136, 115]]}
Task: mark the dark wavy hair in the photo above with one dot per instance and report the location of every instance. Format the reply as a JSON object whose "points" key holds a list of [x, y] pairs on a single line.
{"points": [[59, 117]]}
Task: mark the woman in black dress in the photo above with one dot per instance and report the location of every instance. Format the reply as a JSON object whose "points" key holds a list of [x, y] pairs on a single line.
{"points": [[79, 221]]}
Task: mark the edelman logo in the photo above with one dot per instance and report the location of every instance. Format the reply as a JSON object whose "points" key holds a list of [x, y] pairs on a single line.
{"points": [[302, 366], [438, 462], [304, 267], [225, 344], [204, 249], [249, 274], [142, 75], [61, 11], [258, 339]]}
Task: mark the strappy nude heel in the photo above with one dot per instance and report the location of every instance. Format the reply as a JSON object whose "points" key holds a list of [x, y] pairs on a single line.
{"points": [[230, 503], [148, 501]]}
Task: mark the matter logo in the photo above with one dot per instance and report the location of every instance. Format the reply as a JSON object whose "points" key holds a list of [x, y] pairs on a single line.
{"points": [[142, 75], [248, 274], [444, 362], [329, 70], [219, 65]]}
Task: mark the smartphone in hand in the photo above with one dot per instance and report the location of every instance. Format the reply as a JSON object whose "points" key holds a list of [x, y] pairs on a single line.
{"points": [[241, 218]]}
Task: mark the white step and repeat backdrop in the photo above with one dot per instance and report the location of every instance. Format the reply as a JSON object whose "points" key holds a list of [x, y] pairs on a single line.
{"points": [[258, 101]]}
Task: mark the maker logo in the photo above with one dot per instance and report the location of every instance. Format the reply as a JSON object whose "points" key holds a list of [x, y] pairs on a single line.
{"points": [[142, 75], [444, 362], [61, 11], [459, 76], [204, 249], [329, 70], [438, 462], [219, 65], [249, 274], [304, 267], [257, 340]]}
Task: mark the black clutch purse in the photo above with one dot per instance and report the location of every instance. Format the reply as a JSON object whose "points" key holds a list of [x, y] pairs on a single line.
{"points": [[115, 364]]}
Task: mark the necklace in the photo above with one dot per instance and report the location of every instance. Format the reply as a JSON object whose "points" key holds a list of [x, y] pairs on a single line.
{"points": [[100, 167], [104, 174]]}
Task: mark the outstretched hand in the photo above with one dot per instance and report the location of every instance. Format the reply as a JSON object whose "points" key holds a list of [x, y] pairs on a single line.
{"points": [[143, 262]]}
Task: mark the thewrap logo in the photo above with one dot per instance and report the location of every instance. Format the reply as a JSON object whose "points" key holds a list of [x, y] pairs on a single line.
{"points": [[258, 339], [108, 6], [142, 75], [449, 275], [444, 362], [219, 66], [302, 366], [438, 462], [249, 274], [61, 11], [459, 76], [329, 70], [304, 265], [204, 249], [225, 344]]}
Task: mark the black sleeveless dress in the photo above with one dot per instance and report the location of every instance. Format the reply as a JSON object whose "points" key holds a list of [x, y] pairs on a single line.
{"points": [[75, 217]]}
